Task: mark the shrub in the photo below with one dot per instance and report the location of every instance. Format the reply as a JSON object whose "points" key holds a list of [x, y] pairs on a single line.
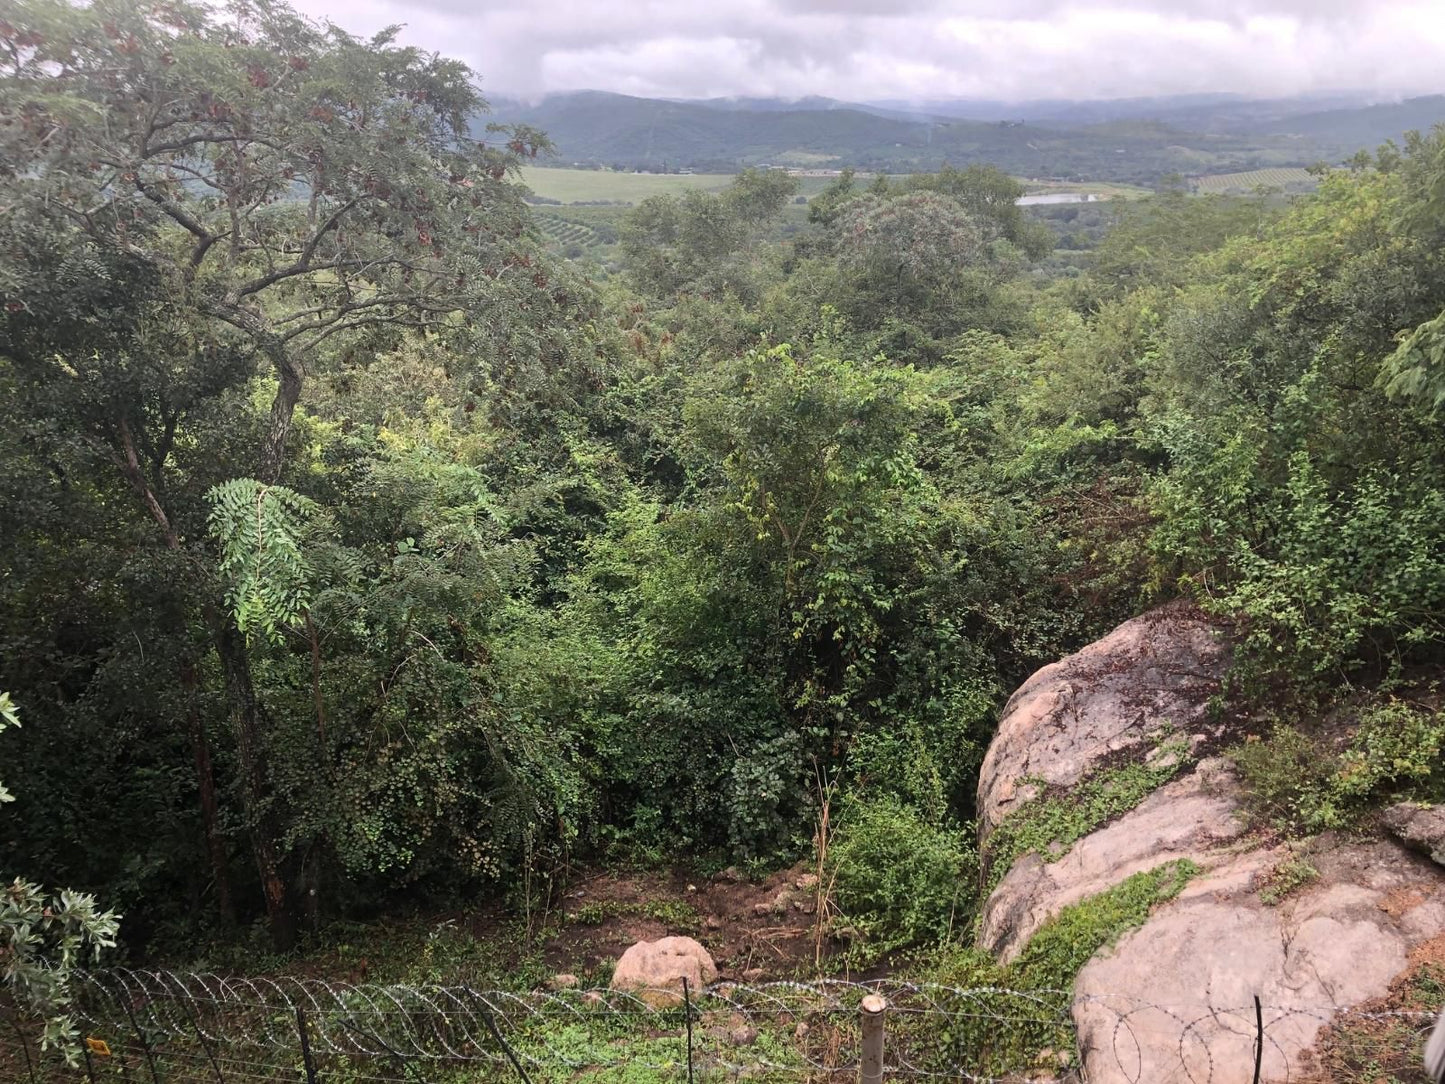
{"points": [[1295, 782], [898, 878]]}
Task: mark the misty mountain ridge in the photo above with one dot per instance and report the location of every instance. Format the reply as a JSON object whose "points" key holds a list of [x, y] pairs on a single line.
{"points": [[1134, 139]]}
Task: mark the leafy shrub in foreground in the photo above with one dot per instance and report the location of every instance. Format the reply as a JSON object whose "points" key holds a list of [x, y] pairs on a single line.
{"points": [[898, 878]]}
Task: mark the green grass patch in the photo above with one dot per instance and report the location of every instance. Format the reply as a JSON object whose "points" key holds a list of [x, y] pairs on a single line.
{"points": [[674, 914], [1032, 1015], [598, 185], [1061, 820], [1064, 944]]}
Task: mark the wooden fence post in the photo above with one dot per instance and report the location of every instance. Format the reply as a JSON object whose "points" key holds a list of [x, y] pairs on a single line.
{"points": [[871, 1012]]}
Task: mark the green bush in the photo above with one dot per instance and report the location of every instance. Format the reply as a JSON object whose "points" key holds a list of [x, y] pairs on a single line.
{"points": [[899, 879], [1295, 782]]}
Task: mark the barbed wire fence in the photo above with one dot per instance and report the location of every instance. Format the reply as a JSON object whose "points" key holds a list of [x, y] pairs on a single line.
{"points": [[159, 1027]]}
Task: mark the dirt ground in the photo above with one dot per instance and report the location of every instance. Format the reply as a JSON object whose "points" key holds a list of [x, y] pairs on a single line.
{"points": [[754, 931]]}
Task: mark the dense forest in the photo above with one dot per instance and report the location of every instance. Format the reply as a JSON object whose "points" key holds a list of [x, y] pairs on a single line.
{"points": [[360, 551]]}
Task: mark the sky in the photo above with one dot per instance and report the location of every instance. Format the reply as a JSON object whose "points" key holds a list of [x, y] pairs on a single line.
{"points": [[921, 50]]}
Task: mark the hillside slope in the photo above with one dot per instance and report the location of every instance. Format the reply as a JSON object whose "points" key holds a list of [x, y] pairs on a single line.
{"points": [[1098, 143]]}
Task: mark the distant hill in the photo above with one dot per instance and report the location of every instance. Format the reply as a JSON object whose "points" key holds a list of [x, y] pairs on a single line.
{"points": [[1347, 130], [1134, 140]]}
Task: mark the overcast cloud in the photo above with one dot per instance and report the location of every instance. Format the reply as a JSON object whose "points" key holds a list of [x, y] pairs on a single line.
{"points": [[925, 49]]}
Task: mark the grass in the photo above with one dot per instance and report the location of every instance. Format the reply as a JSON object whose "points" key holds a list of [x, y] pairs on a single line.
{"points": [[1288, 179], [1378, 1044], [1293, 873], [590, 185], [1060, 820], [674, 914]]}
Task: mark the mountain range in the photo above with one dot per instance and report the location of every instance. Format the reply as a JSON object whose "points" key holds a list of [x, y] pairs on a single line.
{"points": [[1137, 140]]}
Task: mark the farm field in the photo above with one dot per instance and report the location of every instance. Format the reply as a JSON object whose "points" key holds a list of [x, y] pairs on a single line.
{"points": [[592, 185], [583, 186], [1292, 179], [595, 185], [1102, 189]]}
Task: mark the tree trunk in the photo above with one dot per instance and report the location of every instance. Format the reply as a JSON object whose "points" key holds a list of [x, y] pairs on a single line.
{"points": [[278, 427], [210, 806], [263, 822], [130, 467]]}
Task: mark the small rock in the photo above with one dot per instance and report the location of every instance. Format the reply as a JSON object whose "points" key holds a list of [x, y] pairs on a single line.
{"points": [[592, 997], [712, 922], [692, 888], [762, 908], [1419, 827], [563, 982], [1167, 755], [807, 882], [732, 875], [753, 974], [744, 1036], [801, 1031]]}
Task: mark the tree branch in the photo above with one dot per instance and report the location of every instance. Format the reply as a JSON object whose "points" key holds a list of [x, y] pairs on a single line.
{"points": [[130, 467]]}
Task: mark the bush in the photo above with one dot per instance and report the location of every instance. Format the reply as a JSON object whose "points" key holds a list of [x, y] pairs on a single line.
{"points": [[897, 878], [1295, 782]]}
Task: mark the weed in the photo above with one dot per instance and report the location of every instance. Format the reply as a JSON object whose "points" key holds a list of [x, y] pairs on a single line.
{"points": [[674, 914], [1385, 1045], [1060, 820], [1293, 873], [1296, 783]]}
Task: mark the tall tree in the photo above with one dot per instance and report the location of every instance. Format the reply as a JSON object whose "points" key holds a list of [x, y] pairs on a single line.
{"points": [[282, 191]]}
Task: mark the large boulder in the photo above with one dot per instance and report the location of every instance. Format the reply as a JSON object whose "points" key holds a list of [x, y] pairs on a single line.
{"points": [[1191, 818], [1173, 1001], [1152, 674], [654, 970]]}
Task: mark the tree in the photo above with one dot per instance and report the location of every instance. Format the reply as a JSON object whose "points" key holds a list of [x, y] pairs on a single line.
{"points": [[279, 194], [287, 184], [993, 197], [825, 207], [908, 250], [700, 242]]}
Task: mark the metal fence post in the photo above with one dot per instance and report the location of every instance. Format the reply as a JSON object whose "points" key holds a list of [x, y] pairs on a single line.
{"points": [[306, 1061], [871, 1013]]}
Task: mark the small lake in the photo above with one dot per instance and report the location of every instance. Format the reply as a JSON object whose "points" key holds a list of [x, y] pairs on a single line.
{"points": [[1057, 197]]}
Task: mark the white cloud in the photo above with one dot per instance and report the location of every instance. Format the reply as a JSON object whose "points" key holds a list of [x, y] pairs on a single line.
{"points": [[926, 49]]}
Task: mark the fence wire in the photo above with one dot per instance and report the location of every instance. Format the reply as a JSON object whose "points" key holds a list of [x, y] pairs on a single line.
{"points": [[156, 1027]]}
